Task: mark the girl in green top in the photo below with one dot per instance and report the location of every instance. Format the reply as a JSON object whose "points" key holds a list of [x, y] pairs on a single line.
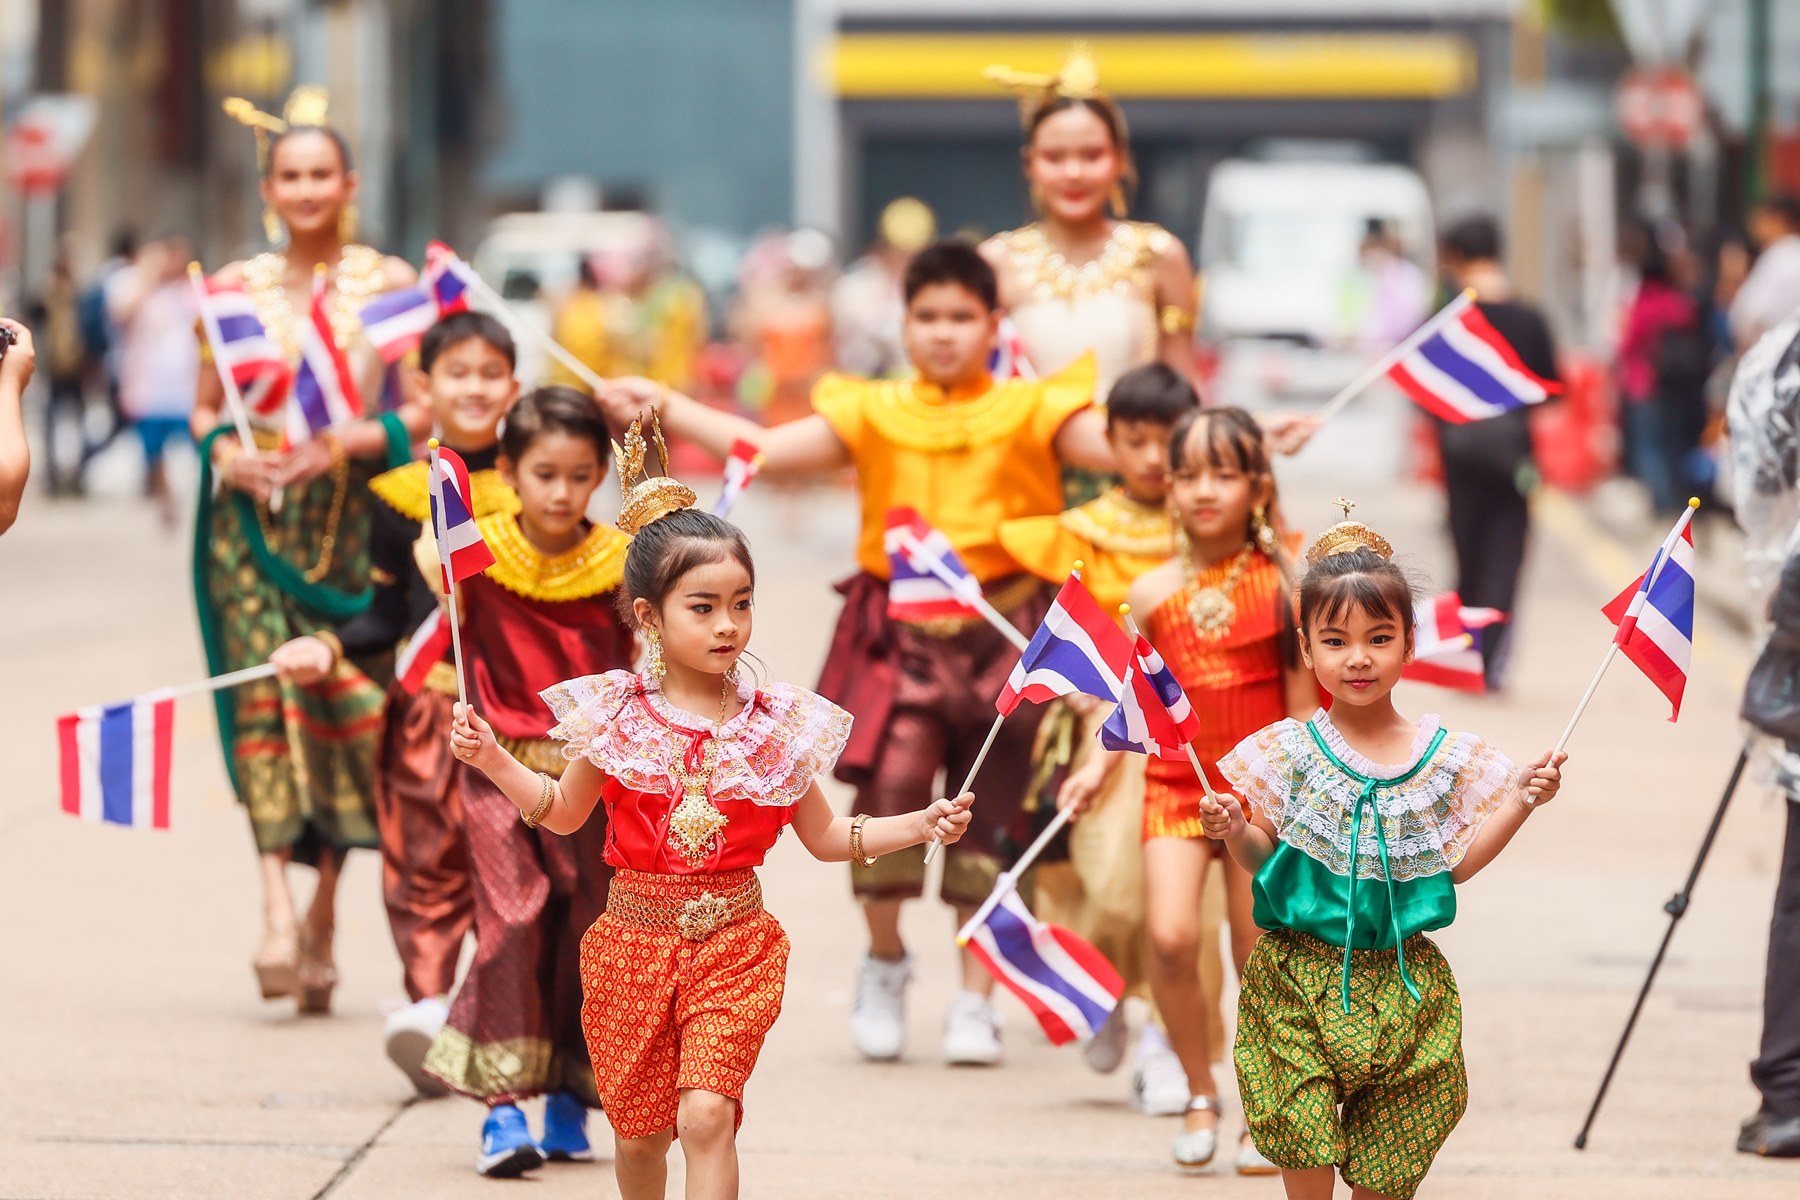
{"points": [[1356, 826]]}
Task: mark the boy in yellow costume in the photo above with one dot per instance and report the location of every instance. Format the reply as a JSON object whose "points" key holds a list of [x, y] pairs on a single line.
{"points": [[969, 454]]}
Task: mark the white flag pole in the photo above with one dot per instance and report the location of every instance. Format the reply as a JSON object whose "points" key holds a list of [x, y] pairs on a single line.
{"points": [[1637, 604], [1382, 365], [532, 333], [969, 782], [1009, 879], [966, 590], [443, 545], [229, 679]]}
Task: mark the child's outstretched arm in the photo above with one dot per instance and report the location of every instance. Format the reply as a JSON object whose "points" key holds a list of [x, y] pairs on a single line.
{"points": [[827, 835], [1538, 784], [571, 798], [1250, 840], [805, 446]]}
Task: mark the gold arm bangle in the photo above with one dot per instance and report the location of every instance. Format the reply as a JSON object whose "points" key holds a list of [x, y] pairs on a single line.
{"points": [[856, 843], [332, 642], [548, 794], [1175, 320]]}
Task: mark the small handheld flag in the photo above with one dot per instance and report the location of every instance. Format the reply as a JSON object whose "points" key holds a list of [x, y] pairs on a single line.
{"points": [[1008, 360], [1465, 371], [926, 578], [446, 279], [1066, 983], [741, 466], [1655, 616], [1077, 648], [461, 550], [244, 346], [325, 392], [394, 322], [1447, 643], [1154, 716], [114, 761]]}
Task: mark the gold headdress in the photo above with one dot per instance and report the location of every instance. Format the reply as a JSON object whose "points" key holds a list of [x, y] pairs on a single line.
{"points": [[308, 104], [1346, 537], [1078, 79], [647, 497]]}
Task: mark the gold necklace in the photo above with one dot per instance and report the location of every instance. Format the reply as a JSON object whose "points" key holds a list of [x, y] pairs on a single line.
{"points": [[696, 823], [1211, 608], [1121, 265], [357, 280]]}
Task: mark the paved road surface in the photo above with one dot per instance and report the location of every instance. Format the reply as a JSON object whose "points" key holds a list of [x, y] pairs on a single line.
{"points": [[138, 1061]]}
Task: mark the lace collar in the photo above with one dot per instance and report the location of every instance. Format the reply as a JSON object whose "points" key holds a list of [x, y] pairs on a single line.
{"points": [[1362, 764], [680, 718]]}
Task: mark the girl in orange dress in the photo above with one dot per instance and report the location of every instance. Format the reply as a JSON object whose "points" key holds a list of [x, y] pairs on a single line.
{"points": [[699, 770], [1220, 616]]}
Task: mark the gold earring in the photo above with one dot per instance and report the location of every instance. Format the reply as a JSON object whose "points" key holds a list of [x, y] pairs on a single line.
{"points": [[1119, 205], [654, 666], [347, 223], [271, 225], [1183, 546], [1263, 531]]}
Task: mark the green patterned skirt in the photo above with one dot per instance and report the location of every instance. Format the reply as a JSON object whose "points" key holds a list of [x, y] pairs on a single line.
{"points": [[1374, 1092], [302, 759]]}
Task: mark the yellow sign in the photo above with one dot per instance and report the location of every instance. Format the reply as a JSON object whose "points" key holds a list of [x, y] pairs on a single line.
{"points": [[947, 66]]}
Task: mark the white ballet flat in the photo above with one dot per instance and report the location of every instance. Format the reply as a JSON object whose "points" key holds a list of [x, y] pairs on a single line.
{"points": [[1194, 1150]]}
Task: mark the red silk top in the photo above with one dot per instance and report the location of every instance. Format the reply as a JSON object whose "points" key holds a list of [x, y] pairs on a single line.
{"points": [[1235, 681], [767, 758]]}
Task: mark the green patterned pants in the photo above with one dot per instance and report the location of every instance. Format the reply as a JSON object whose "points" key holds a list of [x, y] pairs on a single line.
{"points": [[1374, 1092]]}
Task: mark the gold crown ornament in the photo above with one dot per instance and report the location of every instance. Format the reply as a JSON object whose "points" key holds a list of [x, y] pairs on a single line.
{"points": [[1077, 79], [307, 106], [1347, 537], [647, 497]]}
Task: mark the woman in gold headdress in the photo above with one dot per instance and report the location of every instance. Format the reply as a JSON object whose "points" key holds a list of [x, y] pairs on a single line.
{"points": [[1082, 277], [265, 569]]}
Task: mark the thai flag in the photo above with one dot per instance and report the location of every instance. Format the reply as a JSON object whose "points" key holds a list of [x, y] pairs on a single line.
{"points": [[1154, 716], [1466, 371], [1655, 615], [1447, 643], [1067, 984], [741, 466], [395, 321], [114, 761], [1008, 359], [915, 591], [425, 649], [1076, 649], [325, 392], [445, 279], [245, 347], [461, 550]]}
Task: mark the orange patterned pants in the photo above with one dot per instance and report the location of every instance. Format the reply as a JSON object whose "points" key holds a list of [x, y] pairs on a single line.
{"points": [[662, 1012]]}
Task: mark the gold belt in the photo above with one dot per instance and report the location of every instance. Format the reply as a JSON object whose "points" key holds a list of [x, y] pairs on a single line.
{"points": [[539, 754], [689, 907], [1006, 595]]}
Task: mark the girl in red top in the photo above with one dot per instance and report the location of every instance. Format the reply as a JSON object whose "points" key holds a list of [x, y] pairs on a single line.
{"points": [[700, 771]]}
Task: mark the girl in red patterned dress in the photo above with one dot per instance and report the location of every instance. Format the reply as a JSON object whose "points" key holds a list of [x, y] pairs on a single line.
{"points": [[700, 771]]}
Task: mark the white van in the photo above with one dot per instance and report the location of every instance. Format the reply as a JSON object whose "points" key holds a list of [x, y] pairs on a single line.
{"points": [[1280, 271]]}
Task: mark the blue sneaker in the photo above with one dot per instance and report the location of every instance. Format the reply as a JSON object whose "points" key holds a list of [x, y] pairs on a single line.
{"points": [[507, 1150], [565, 1130]]}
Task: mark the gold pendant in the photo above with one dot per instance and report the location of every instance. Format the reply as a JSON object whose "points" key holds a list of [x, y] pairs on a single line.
{"points": [[695, 825], [1212, 611]]}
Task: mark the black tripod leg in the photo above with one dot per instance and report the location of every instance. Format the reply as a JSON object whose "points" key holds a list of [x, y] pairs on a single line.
{"points": [[1676, 908]]}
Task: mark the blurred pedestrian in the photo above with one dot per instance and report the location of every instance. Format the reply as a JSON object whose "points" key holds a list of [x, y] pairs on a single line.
{"points": [[784, 316], [1770, 293], [1659, 381], [16, 363], [1765, 449], [100, 328], [1396, 291], [633, 313], [1489, 470], [868, 305], [159, 358], [57, 315]]}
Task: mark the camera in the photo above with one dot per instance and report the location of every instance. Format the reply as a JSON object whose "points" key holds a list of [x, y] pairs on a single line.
{"points": [[7, 338]]}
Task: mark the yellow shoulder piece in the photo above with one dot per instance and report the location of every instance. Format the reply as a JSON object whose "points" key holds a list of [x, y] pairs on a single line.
{"points": [[596, 565], [1043, 546], [407, 490], [1071, 389]]}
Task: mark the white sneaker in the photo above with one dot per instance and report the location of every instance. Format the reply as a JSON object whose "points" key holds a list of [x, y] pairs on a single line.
{"points": [[878, 1018], [1159, 1088], [972, 1031], [1193, 1149], [409, 1033], [1250, 1160], [1106, 1049]]}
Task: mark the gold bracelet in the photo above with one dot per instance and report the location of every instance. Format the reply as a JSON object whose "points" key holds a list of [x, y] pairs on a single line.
{"points": [[1175, 320], [536, 815], [332, 643], [856, 842]]}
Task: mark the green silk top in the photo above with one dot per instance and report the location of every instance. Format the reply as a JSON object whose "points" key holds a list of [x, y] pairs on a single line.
{"points": [[1365, 850]]}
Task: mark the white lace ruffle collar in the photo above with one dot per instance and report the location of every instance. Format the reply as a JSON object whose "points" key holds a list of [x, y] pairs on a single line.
{"points": [[1429, 725]]}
